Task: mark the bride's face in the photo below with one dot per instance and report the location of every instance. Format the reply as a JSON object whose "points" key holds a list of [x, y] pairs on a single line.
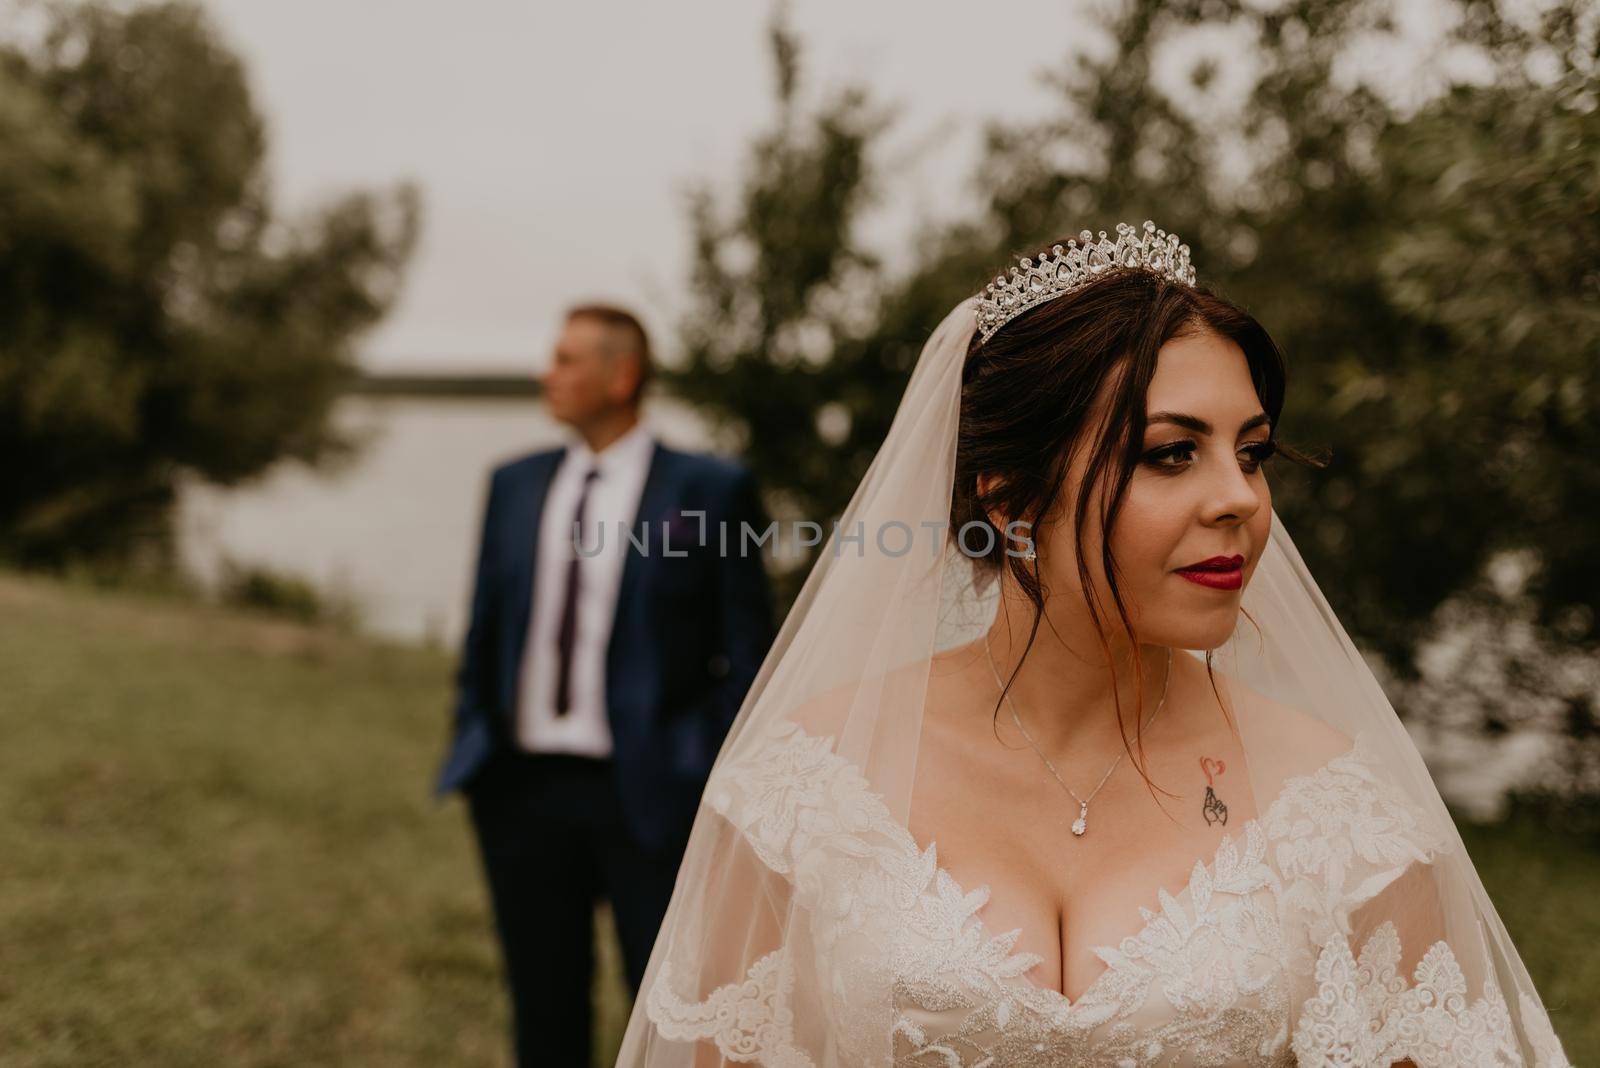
{"points": [[1198, 493]]}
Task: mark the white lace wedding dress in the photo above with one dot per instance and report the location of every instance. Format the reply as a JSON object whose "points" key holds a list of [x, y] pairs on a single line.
{"points": [[1277, 952]]}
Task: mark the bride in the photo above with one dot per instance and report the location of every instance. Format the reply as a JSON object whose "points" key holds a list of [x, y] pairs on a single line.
{"points": [[1061, 757]]}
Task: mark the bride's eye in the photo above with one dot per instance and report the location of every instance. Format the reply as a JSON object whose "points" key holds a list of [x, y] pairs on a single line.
{"points": [[1257, 453], [1172, 457], [1178, 455]]}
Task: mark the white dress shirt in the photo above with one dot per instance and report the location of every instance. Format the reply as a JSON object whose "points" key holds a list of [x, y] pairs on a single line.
{"points": [[613, 504]]}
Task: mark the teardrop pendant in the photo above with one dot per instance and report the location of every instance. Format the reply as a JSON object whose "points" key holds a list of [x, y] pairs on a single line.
{"points": [[1081, 824]]}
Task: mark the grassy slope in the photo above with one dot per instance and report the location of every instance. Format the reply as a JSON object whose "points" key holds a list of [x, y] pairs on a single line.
{"points": [[217, 848], [1546, 887]]}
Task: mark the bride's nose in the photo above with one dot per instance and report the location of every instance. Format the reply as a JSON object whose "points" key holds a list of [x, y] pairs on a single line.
{"points": [[1232, 497]]}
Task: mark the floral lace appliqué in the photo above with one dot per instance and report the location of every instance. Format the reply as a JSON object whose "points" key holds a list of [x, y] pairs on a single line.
{"points": [[1365, 1013], [750, 1022]]}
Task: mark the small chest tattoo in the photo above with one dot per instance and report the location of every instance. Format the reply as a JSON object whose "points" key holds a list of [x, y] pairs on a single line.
{"points": [[1213, 809]]}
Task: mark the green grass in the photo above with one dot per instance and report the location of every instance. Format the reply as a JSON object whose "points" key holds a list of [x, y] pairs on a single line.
{"points": [[1546, 887], [217, 848]]}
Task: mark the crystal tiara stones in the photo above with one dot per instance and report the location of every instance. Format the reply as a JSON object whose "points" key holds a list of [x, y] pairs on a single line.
{"points": [[1060, 271]]}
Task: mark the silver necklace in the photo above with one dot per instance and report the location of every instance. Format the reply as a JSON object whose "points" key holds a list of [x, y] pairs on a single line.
{"points": [[1081, 824]]}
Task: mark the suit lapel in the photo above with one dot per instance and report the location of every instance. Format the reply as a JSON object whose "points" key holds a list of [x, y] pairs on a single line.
{"points": [[654, 500], [522, 539]]}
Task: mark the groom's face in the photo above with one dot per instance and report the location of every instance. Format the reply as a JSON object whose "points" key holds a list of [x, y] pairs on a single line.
{"points": [[587, 378]]}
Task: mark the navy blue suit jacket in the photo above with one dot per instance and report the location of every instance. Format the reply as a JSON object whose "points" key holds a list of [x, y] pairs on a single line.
{"points": [[689, 634]]}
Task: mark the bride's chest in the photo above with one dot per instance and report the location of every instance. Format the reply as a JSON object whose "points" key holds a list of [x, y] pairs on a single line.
{"points": [[1202, 980], [1066, 894]]}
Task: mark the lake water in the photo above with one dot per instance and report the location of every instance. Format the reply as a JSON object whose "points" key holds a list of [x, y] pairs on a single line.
{"points": [[395, 532]]}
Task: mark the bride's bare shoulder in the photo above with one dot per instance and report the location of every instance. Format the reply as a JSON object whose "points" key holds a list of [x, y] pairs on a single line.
{"points": [[1291, 737], [828, 711]]}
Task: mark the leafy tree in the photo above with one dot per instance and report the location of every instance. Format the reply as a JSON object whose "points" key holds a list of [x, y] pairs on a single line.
{"points": [[781, 288], [157, 320], [1500, 261], [1427, 250]]}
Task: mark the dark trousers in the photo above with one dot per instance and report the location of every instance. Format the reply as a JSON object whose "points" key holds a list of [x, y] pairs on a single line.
{"points": [[553, 841]]}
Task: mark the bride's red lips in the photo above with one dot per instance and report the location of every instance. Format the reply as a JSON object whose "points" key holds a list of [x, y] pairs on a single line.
{"points": [[1216, 563], [1218, 572]]}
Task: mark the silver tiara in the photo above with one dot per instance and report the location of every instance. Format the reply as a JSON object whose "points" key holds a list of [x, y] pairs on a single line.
{"points": [[1060, 271]]}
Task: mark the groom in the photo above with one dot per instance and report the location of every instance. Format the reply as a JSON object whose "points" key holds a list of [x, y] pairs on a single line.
{"points": [[598, 678]]}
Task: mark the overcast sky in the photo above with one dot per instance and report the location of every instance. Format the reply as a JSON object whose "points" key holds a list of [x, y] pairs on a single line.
{"points": [[553, 141]]}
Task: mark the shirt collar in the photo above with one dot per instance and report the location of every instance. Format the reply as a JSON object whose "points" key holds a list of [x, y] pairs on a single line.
{"points": [[632, 446]]}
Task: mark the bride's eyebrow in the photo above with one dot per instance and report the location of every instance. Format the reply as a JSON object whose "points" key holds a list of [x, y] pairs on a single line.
{"points": [[1200, 426]]}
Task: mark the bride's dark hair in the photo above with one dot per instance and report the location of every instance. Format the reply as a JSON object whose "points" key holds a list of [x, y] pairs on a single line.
{"points": [[1028, 401]]}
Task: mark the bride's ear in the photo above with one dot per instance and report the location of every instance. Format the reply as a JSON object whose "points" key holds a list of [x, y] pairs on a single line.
{"points": [[987, 484]]}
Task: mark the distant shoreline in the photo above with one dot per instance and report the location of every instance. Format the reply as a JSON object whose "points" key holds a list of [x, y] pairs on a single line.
{"points": [[428, 385]]}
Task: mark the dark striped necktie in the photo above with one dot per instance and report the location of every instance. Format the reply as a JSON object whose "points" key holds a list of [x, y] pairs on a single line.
{"points": [[567, 634]]}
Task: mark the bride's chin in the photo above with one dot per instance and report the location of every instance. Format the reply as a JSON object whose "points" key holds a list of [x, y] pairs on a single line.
{"points": [[1199, 633]]}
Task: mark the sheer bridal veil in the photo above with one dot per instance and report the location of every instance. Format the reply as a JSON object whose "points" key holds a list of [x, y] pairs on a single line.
{"points": [[748, 967]]}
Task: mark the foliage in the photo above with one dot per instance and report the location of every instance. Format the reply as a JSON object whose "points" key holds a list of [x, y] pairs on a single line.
{"points": [[780, 289], [1499, 261], [283, 593], [156, 317], [1415, 221]]}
